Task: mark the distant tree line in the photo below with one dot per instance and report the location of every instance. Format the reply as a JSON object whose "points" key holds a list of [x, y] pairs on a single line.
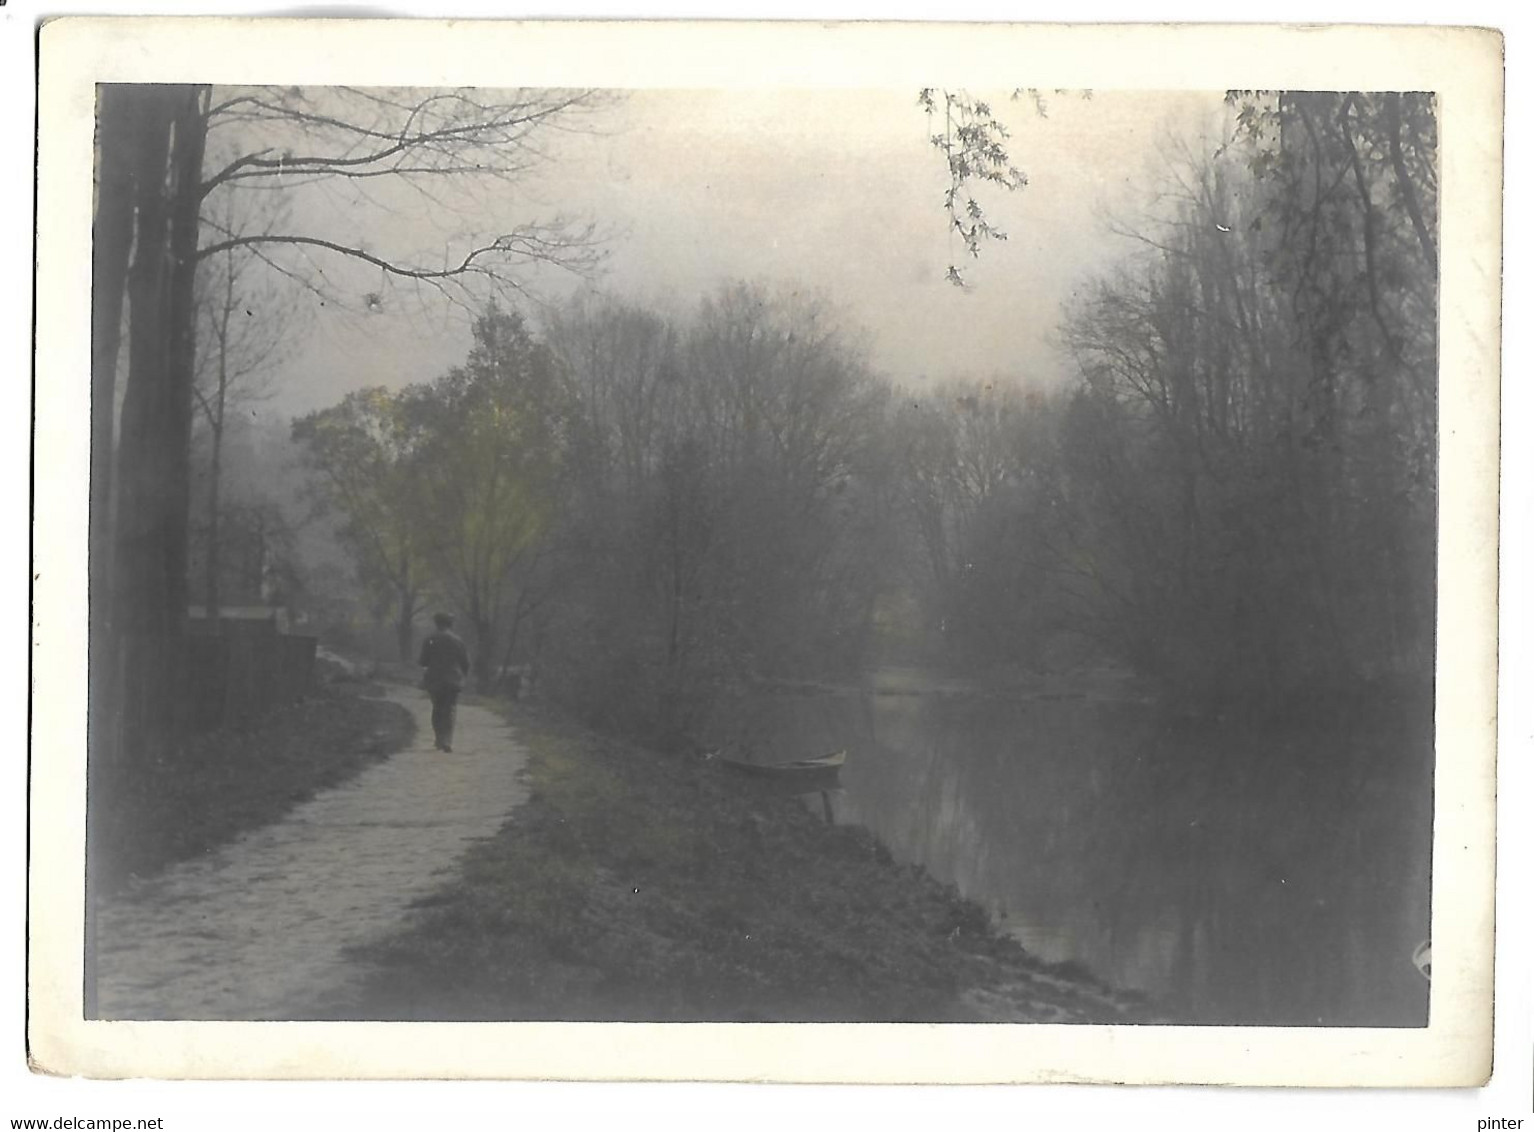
{"points": [[1236, 495], [644, 510]]}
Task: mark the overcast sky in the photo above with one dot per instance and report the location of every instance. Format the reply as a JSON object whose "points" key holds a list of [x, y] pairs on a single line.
{"points": [[835, 191]]}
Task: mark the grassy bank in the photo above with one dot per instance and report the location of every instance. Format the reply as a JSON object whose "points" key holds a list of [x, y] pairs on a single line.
{"points": [[208, 789], [640, 886]]}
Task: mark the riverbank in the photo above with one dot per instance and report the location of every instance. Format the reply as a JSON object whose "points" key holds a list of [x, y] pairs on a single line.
{"points": [[640, 886]]}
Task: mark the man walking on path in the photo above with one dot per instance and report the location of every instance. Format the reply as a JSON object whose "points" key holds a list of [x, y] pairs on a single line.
{"points": [[446, 662]]}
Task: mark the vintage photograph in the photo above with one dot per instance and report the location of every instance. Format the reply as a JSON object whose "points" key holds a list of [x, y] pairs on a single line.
{"points": [[896, 553]]}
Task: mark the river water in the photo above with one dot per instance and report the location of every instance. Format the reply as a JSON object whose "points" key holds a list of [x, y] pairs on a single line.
{"points": [[1233, 874]]}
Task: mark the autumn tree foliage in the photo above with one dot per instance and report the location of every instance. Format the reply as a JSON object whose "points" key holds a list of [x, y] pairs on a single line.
{"points": [[363, 458], [489, 470], [646, 510]]}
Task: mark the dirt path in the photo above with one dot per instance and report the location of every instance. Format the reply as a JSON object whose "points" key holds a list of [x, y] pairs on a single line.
{"points": [[258, 929]]}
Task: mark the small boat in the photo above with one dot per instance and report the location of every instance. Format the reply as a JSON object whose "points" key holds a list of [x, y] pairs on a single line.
{"points": [[802, 776]]}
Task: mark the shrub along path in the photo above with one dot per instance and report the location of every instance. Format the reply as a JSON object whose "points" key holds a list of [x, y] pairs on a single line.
{"points": [[259, 929]]}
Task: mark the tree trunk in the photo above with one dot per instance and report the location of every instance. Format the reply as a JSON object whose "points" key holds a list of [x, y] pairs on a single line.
{"points": [[518, 611], [154, 449], [117, 139], [404, 627], [1404, 182], [484, 654], [185, 233], [215, 415], [140, 610], [211, 555], [110, 252], [135, 646]]}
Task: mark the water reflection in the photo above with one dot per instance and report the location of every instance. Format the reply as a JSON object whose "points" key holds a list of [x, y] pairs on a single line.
{"points": [[1279, 879]]}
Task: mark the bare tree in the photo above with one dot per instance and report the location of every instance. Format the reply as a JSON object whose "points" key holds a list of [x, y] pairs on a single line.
{"points": [[174, 149], [245, 319], [371, 152], [1260, 407], [717, 526]]}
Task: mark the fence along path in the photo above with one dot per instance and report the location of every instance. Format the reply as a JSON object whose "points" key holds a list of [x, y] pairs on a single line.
{"points": [[258, 929]]}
